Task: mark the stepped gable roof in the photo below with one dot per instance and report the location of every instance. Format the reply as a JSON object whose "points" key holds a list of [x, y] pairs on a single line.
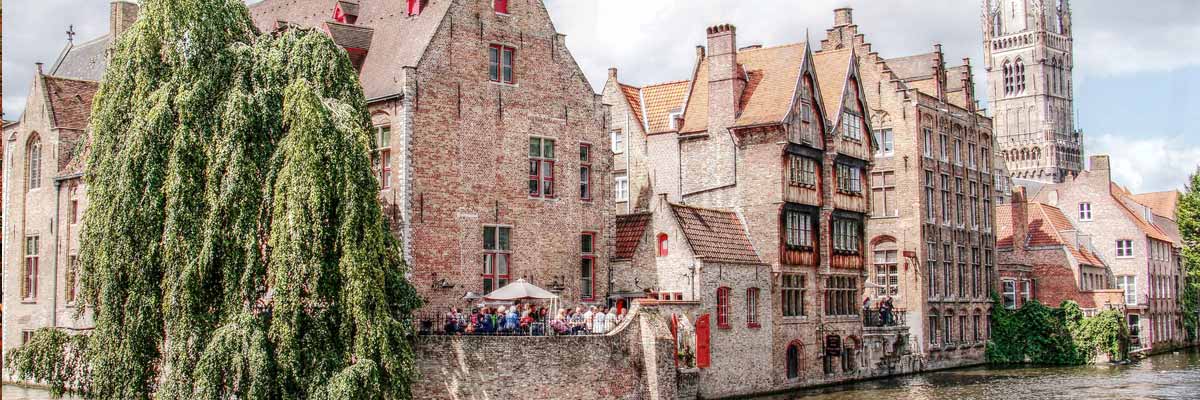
{"points": [[914, 66], [84, 61], [833, 69], [954, 81], [772, 73], [69, 101], [630, 229], [1161, 203], [633, 95], [660, 100], [1121, 195], [715, 235], [399, 40]]}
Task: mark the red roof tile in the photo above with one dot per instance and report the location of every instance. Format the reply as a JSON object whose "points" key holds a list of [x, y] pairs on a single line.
{"points": [[773, 74], [630, 229], [1004, 232], [660, 101], [70, 101], [634, 95], [716, 235], [833, 67]]}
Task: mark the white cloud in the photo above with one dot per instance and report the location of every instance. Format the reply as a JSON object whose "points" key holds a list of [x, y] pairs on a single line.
{"points": [[1145, 163], [1117, 38]]}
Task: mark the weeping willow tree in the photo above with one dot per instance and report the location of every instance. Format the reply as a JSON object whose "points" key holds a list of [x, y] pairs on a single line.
{"points": [[233, 246]]}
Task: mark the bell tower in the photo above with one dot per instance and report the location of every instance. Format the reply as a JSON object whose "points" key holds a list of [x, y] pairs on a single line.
{"points": [[1028, 51]]}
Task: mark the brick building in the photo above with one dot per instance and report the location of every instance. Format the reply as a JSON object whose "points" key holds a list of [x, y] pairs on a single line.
{"points": [[1043, 256], [1029, 51], [1134, 239], [485, 128], [930, 238], [638, 113]]}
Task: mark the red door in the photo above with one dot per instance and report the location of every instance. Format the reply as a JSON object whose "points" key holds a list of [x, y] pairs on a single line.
{"points": [[675, 337], [702, 332]]}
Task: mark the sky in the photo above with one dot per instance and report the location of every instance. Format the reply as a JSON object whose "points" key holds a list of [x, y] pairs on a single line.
{"points": [[1137, 66]]}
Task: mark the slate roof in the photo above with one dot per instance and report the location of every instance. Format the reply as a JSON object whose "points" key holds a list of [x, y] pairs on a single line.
{"points": [[86, 61], [399, 40], [715, 235], [69, 101], [350, 36], [630, 229], [914, 66], [1162, 203], [773, 73]]}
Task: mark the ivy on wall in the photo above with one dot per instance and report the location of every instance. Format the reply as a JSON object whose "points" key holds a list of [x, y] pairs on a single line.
{"points": [[1038, 334], [234, 246]]}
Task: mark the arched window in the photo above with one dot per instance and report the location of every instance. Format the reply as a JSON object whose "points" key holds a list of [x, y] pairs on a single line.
{"points": [[887, 277], [33, 162], [723, 307], [794, 352], [663, 241], [1018, 77], [1008, 78]]}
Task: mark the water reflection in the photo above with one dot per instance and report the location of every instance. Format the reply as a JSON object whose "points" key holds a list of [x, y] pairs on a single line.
{"points": [[1172, 376], [1165, 377]]}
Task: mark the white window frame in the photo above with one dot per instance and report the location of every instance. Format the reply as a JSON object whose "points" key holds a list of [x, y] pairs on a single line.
{"points": [[621, 188], [1124, 248], [618, 141], [886, 139], [1128, 284], [1085, 211], [1009, 293]]}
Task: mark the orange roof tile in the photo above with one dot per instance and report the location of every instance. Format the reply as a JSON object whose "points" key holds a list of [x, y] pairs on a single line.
{"points": [[1121, 195], [630, 229], [660, 101], [1004, 232], [1162, 203], [715, 235], [773, 73], [634, 95], [833, 67]]}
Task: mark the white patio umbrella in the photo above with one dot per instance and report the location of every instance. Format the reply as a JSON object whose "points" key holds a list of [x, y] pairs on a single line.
{"points": [[522, 290]]}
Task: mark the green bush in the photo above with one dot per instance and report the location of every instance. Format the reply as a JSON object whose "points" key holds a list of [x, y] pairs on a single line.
{"points": [[1039, 334]]}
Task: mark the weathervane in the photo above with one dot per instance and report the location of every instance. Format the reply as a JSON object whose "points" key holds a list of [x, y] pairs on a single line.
{"points": [[71, 33]]}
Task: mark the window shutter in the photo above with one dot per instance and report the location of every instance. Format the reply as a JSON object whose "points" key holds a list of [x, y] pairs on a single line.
{"points": [[702, 342]]}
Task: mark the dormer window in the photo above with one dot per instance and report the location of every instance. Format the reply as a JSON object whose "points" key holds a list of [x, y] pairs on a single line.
{"points": [[345, 12], [501, 6]]}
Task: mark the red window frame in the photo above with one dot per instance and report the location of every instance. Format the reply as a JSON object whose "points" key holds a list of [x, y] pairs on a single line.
{"points": [[501, 6], [541, 168], [415, 6], [723, 307], [587, 275], [497, 66], [752, 308], [499, 251], [585, 172], [29, 278], [663, 241]]}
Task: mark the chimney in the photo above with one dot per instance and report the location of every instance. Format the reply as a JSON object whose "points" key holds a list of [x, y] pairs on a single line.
{"points": [[39, 66], [1020, 218], [122, 14], [843, 17], [1099, 165], [612, 74], [724, 82]]}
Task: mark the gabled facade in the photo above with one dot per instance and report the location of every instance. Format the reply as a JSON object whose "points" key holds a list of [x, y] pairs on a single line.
{"points": [[637, 113], [930, 239], [1137, 244]]}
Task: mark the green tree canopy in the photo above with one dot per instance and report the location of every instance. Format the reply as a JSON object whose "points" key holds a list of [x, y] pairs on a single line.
{"points": [[234, 245], [1188, 216]]}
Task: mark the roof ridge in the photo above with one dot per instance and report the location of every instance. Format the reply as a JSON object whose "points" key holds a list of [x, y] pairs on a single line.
{"points": [[65, 78], [675, 82], [700, 208], [781, 46]]}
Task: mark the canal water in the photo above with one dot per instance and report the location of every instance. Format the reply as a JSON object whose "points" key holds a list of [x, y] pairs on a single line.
{"points": [[1163, 377]]}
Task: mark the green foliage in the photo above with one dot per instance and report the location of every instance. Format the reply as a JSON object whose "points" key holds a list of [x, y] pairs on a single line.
{"points": [[51, 356], [234, 246], [1053, 336], [1188, 216]]}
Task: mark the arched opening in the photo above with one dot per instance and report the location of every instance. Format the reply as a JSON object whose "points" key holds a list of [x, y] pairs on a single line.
{"points": [[33, 162], [663, 242], [886, 262], [850, 355], [795, 353]]}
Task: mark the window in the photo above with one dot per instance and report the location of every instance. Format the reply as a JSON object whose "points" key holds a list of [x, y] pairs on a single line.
{"points": [[974, 210], [1019, 78], [33, 163], [1135, 326], [723, 307], [887, 143], [72, 279], [752, 308], [987, 207], [975, 272], [975, 332], [847, 357], [29, 280], [1026, 292], [415, 6], [622, 189], [663, 243], [1124, 248], [885, 272], [802, 171], [958, 155], [541, 167], [929, 142], [798, 229], [962, 272], [587, 276], [793, 361], [947, 206], [841, 295], [1009, 294], [500, 63], [933, 330], [962, 328], [381, 156], [618, 142], [585, 172], [1128, 284], [945, 148], [497, 255], [1085, 211], [849, 179], [793, 290], [930, 210], [501, 6], [852, 126], [845, 235], [948, 329], [1008, 78], [802, 129], [931, 268], [960, 216], [985, 159], [883, 195], [26, 336], [973, 161], [947, 269]]}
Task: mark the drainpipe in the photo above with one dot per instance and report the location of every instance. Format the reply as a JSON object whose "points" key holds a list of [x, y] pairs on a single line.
{"points": [[54, 265]]}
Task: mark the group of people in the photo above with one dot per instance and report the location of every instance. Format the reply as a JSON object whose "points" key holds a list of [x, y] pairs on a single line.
{"points": [[885, 307], [527, 319]]}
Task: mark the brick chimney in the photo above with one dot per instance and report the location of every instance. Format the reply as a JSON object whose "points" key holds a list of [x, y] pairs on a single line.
{"points": [[1100, 165], [725, 83], [121, 16], [843, 17], [1020, 218], [612, 74]]}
